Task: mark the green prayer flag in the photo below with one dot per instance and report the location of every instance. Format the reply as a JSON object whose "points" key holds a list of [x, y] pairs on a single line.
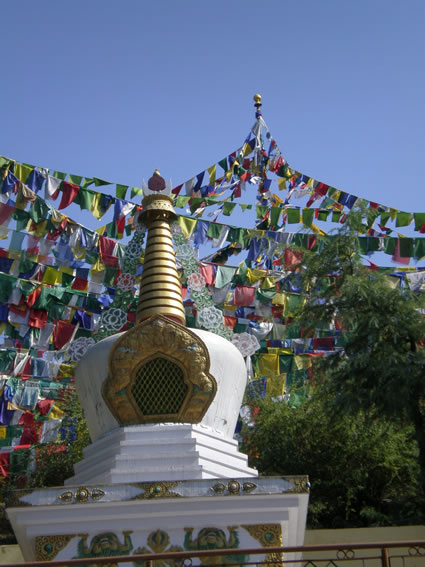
{"points": [[403, 219], [419, 248], [224, 275], [111, 230], [75, 179], [228, 208], [121, 191], [7, 283], [308, 215], [385, 217], [390, 244], [59, 175], [419, 220], [223, 163], [214, 230], [294, 216], [98, 182], [136, 191], [84, 198], [275, 215], [323, 215], [67, 280], [110, 274], [39, 210], [406, 247], [182, 201]]}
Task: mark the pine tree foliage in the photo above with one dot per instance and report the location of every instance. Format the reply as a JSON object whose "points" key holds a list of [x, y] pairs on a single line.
{"points": [[381, 369], [363, 471]]}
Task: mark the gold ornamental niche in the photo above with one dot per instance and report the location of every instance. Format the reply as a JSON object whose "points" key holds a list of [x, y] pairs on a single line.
{"points": [[159, 373]]}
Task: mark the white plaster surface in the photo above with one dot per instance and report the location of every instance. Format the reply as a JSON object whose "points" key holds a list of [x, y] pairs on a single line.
{"points": [[227, 367], [142, 453], [172, 515]]}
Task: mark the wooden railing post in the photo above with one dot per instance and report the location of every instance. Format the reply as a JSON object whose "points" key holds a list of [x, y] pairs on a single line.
{"points": [[385, 561]]}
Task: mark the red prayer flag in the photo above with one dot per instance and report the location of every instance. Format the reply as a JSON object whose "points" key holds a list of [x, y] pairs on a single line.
{"points": [[62, 333], [69, 192]]}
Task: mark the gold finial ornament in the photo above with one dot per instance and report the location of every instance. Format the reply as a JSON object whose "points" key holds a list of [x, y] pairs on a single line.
{"points": [[257, 104], [160, 290]]}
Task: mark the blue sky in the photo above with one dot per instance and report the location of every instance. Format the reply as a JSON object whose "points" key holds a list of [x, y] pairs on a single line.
{"points": [[113, 88]]}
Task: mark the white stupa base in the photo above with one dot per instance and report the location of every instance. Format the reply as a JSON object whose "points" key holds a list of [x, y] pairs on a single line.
{"points": [[126, 519], [143, 453]]}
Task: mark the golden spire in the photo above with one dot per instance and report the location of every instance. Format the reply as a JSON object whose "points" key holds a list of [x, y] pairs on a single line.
{"points": [[160, 291]]}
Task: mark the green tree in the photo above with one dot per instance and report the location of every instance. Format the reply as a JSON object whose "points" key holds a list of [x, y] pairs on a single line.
{"points": [[381, 369], [363, 471]]}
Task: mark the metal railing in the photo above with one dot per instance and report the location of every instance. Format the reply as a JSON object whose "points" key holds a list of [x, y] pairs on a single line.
{"points": [[382, 554]]}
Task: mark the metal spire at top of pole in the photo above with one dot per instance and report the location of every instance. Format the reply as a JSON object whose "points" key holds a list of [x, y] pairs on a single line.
{"points": [[257, 104]]}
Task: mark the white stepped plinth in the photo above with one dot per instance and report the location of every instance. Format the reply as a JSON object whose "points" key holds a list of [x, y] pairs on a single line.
{"points": [[161, 452]]}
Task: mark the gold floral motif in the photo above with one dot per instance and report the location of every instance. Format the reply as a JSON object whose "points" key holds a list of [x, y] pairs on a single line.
{"points": [[268, 535], [82, 494], [47, 547], [156, 490], [159, 337], [158, 542], [301, 484], [234, 487], [66, 496]]}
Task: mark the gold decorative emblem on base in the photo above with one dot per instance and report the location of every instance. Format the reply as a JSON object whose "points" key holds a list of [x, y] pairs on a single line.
{"points": [[47, 547], [159, 373], [82, 494], [268, 535], [156, 490], [158, 542], [234, 487]]}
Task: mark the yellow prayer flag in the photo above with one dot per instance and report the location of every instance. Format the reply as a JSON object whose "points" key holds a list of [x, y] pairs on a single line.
{"points": [[2, 432], [275, 386], [246, 149], [95, 207], [56, 413], [280, 298], [22, 171], [253, 275], [282, 183], [268, 364], [99, 266], [40, 228], [212, 171], [52, 276], [187, 225], [302, 362]]}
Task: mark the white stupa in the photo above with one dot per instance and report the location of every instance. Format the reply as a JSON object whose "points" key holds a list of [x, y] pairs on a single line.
{"points": [[163, 471]]}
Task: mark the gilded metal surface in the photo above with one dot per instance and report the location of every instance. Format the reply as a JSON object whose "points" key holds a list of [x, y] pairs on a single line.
{"points": [[159, 262], [233, 487], [159, 542], [161, 489], [268, 535], [47, 547], [158, 337], [301, 484], [82, 494]]}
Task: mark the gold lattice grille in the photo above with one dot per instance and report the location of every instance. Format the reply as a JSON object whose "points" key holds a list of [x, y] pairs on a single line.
{"points": [[159, 388]]}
